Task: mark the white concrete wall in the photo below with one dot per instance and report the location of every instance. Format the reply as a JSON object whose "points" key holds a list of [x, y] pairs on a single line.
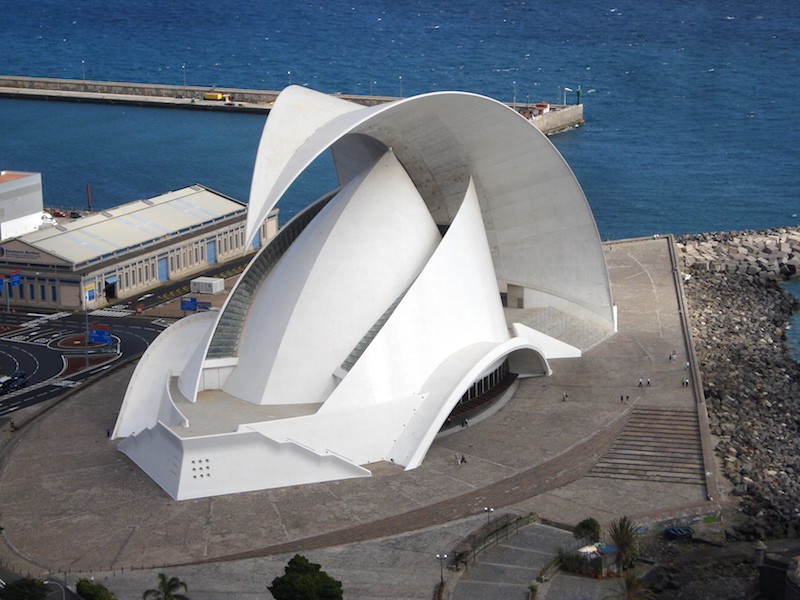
{"points": [[21, 203], [349, 265]]}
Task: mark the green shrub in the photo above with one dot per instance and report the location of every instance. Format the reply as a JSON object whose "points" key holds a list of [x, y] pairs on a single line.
{"points": [[588, 528], [89, 590]]}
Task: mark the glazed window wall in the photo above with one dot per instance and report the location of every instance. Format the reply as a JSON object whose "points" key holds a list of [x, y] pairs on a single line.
{"points": [[487, 383]]}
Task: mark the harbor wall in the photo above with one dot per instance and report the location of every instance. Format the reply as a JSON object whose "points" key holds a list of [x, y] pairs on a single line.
{"points": [[89, 91], [559, 118], [192, 97]]}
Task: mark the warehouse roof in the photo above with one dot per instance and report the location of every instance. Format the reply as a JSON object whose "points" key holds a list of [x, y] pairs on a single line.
{"points": [[133, 225]]}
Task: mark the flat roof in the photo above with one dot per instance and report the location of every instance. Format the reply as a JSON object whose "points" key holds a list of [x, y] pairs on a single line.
{"points": [[134, 224], [12, 175]]}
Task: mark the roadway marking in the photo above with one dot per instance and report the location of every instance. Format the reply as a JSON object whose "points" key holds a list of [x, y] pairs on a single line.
{"points": [[111, 312]]}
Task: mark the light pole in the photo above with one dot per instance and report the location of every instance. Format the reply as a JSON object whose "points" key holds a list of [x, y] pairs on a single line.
{"points": [[183, 68], [83, 70], [442, 558], [566, 89], [289, 75], [488, 512], [51, 582], [515, 95], [401, 86]]}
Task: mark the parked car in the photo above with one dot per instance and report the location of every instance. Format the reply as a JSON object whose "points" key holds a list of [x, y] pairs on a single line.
{"points": [[59, 213]]}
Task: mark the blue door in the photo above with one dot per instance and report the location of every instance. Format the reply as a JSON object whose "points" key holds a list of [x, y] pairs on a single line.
{"points": [[163, 272], [211, 252]]}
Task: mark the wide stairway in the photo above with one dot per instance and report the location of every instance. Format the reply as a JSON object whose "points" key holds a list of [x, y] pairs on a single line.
{"points": [[656, 445]]}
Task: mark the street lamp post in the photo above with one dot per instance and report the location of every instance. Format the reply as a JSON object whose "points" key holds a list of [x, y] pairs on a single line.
{"points": [[63, 590], [515, 96], [488, 512], [442, 558], [401, 86]]}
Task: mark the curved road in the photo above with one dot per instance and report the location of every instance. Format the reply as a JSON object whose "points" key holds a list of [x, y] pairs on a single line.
{"points": [[31, 343]]}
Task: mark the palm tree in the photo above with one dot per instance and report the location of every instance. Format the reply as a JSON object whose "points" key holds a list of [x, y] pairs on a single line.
{"points": [[167, 589], [631, 588], [623, 535]]}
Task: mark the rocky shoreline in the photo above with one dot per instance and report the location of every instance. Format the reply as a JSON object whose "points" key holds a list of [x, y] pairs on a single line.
{"points": [[739, 315]]}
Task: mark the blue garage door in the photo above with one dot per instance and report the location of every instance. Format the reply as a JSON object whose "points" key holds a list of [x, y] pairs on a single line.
{"points": [[163, 272], [211, 252]]}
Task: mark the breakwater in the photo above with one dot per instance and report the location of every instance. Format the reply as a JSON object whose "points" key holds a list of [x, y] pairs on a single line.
{"points": [[770, 254], [739, 315], [560, 117]]}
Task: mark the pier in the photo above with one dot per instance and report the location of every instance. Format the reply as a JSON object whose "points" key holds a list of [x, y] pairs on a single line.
{"points": [[558, 118]]}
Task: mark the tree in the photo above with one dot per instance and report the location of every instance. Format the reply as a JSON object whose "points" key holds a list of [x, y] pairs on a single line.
{"points": [[89, 590], [623, 535], [26, 588], [588, 528], [167, 589], [631, 587], [304, 580]]}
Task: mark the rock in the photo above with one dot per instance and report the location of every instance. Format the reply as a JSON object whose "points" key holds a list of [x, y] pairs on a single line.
{"points": [[752, 384]]}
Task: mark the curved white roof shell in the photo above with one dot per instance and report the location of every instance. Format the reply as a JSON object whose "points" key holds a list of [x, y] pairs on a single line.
{"points": [[541, 231], [359, 329]]}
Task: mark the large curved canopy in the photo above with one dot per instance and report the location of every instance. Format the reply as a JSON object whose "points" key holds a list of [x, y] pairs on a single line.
{"points": [[541, 231]]}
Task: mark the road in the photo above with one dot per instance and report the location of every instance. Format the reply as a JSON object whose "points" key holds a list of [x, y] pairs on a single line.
{"points": [[52, 350]]}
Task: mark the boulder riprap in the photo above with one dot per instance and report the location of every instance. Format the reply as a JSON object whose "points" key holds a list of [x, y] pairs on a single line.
{"points": [[739, 315]]}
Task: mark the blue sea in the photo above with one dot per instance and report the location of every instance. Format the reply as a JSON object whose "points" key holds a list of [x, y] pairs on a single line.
{"points": [[690, 105]]}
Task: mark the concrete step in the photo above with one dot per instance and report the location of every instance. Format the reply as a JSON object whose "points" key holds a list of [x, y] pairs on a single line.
{"points": [[656, 445]]}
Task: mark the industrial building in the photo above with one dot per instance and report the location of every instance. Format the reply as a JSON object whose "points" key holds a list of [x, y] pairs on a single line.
{"points": [[122, 252]]}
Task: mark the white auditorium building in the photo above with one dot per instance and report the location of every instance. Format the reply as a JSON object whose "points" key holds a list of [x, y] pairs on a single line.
{"points": [[358, 330]]}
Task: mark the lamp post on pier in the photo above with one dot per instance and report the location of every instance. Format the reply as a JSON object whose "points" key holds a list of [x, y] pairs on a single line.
{"points": [[442, 558], [488, 512]]}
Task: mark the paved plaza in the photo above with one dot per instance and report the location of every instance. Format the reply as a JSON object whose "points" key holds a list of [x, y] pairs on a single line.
{"points": [[71, 503]]}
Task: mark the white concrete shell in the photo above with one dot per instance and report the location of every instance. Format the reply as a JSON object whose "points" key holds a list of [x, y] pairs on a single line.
{"points": [[357, 331]]}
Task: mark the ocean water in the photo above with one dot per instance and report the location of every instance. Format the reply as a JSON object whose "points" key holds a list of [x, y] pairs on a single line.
{"points": [[691, 119]]}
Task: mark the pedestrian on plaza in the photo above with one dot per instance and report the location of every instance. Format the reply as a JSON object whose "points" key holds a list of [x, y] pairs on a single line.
{"points": [[648, 382], [640, 382], [455, 455], [688, 365], [463, 459], [622, 399]]}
